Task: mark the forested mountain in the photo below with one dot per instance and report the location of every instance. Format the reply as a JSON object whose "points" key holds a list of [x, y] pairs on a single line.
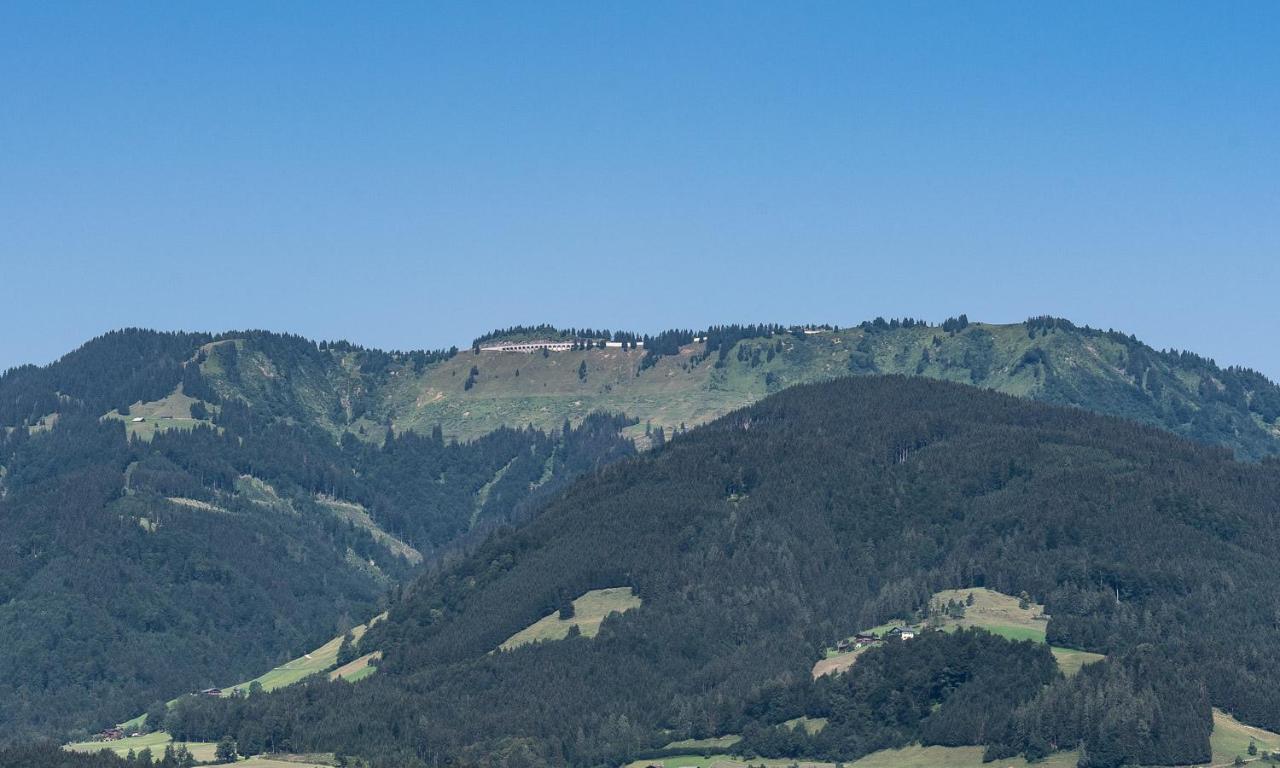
{"points": [[145, 559], [756, 540], [187, 509], [679, 379]]}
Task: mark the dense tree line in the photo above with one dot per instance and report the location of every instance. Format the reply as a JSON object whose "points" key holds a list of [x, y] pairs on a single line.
{"points": [[893, 324], [822, 510], [105, 584], [719, 340], [545, 332], [1240, 388], [949, 689], [113, 596], [107, 373], [1139, 708], [50, 755]]}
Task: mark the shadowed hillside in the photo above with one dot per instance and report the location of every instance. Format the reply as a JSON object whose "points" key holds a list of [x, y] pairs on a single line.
{"points": [[753, 542], [152, 482]]}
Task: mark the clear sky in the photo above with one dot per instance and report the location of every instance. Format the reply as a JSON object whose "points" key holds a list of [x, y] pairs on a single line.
{"points": [[411, 175]]}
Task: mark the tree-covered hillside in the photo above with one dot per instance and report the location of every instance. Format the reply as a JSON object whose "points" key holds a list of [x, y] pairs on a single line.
{"points": [[683, 378], [754, 542], [677, 379], [183, 509], [139, 565]]}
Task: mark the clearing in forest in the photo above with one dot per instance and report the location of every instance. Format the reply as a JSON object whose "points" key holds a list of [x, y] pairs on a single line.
{"points": [[170, 412], [155, 741], [322, 658], [908, 757], [357, 669], [1015, 618], [588, 611], [289, 761], [1231, 738], [306, 665], [357, 515]]}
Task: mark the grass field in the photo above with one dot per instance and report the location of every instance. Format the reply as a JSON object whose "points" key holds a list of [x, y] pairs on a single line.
{"points": [[836, 663], [288, 761], [908, 757], [291, 672], [202, 751], [1070, 660], [357, 669], [306, 665], [680, 389], [156, 742], [170, 412], [589, 610], [954, 757], [719, 742], [809, 724], [1231, 737], [43, 424], [993, 611], [1003, 615]]}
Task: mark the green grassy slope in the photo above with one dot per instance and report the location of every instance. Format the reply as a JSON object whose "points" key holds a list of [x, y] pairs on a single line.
{"points": [[318, 660], [288, 673], [1047, 360], [177, 517], [589, 610], [914, 756], [1230, 739], [997, 613], [771, 533], [156, 742]]}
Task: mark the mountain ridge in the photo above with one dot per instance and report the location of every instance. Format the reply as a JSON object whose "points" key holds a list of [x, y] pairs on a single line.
{"points": [[753, 542], [676, 380], [438, 448]]}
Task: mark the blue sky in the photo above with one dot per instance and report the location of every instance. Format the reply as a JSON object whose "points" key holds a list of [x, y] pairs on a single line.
{"points": [[412, 175]]}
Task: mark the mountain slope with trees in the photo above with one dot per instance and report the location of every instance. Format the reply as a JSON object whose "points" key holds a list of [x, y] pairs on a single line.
{"points": [[146, 558], [755, 541], [683, 378], [135, 570]]}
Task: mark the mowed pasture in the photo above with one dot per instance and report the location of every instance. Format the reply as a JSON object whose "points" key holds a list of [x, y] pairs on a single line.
{"points": [[908, 757], [1004, 615], [288, 761], [998, 613], [170, 412], [995, 612], [916, 756], [836, 663], [1231, 738], [156, 742], [517, 388], [718, 742], [319, 660], [357, 669], [589, 611]]}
